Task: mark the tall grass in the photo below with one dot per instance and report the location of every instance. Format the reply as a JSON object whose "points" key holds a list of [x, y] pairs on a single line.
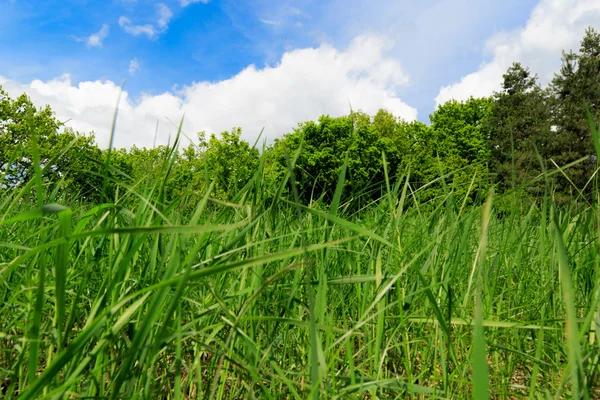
{"points": [[262, 297]]}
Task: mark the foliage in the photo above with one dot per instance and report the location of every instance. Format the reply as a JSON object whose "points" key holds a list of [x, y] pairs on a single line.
{"points": [[230, 160], [324, 145], [518, 130], [22, 126], [146, 296], [458, 147], [574, 88], [452, 146]]}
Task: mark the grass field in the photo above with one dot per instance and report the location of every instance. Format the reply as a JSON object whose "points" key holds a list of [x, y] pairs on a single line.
{"points": [[260, 297]]}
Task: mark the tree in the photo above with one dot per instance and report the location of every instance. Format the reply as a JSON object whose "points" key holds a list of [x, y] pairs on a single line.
{"points": [[518, 124], [324, 145], [576, 86], [396, 137], [80, 166], [420, 159], [190, 171], [458, 140], [76, 160], [230, 160], [21, 123]]}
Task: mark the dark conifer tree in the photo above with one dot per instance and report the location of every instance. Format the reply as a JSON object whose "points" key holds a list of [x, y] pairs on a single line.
{"points": [[518, 126], [574, 88]]}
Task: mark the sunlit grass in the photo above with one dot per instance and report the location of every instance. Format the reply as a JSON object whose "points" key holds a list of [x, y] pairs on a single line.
{"points": [[262, 297]]}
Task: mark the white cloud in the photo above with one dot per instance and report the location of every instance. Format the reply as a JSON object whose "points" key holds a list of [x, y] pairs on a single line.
{"points": [[554, 25], [303, 85], [95, 40], [134, 66], [136, 30], [185, 3], [164, 17], [268, 21]]}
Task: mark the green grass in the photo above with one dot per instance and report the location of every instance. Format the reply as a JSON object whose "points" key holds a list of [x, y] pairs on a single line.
{"points": [[261, 297]]}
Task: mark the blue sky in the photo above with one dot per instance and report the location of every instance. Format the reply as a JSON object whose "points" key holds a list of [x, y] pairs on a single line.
{"points": [[165, 47]]}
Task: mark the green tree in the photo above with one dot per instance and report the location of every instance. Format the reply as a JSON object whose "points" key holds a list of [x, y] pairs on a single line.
{"points": [[230, 160], [80, 166], [519, 123], [324, 145], [420, 159], [576, 86], [21, 123], [459, 144], [396, 138], [190, 173], [76, 158]]}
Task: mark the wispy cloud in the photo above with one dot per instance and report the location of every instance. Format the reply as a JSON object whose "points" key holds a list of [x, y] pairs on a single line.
{"points": [[281, 16], [296, 12], [269, 21], [134, 66], [185, 3], [136, 30], [95, 39], [162, 23], [164, 16]]}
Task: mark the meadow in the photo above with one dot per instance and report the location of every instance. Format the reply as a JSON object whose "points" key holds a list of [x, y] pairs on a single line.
{"points": [[261, 296]]}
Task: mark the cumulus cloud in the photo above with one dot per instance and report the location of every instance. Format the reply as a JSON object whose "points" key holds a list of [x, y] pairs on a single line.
{"points": [[185, 3], [134, 66], [303, 85], [164, 16], [554, 25]]}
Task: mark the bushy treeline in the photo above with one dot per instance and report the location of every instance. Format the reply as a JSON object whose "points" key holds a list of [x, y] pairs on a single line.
{"points": [[505, 141]]}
